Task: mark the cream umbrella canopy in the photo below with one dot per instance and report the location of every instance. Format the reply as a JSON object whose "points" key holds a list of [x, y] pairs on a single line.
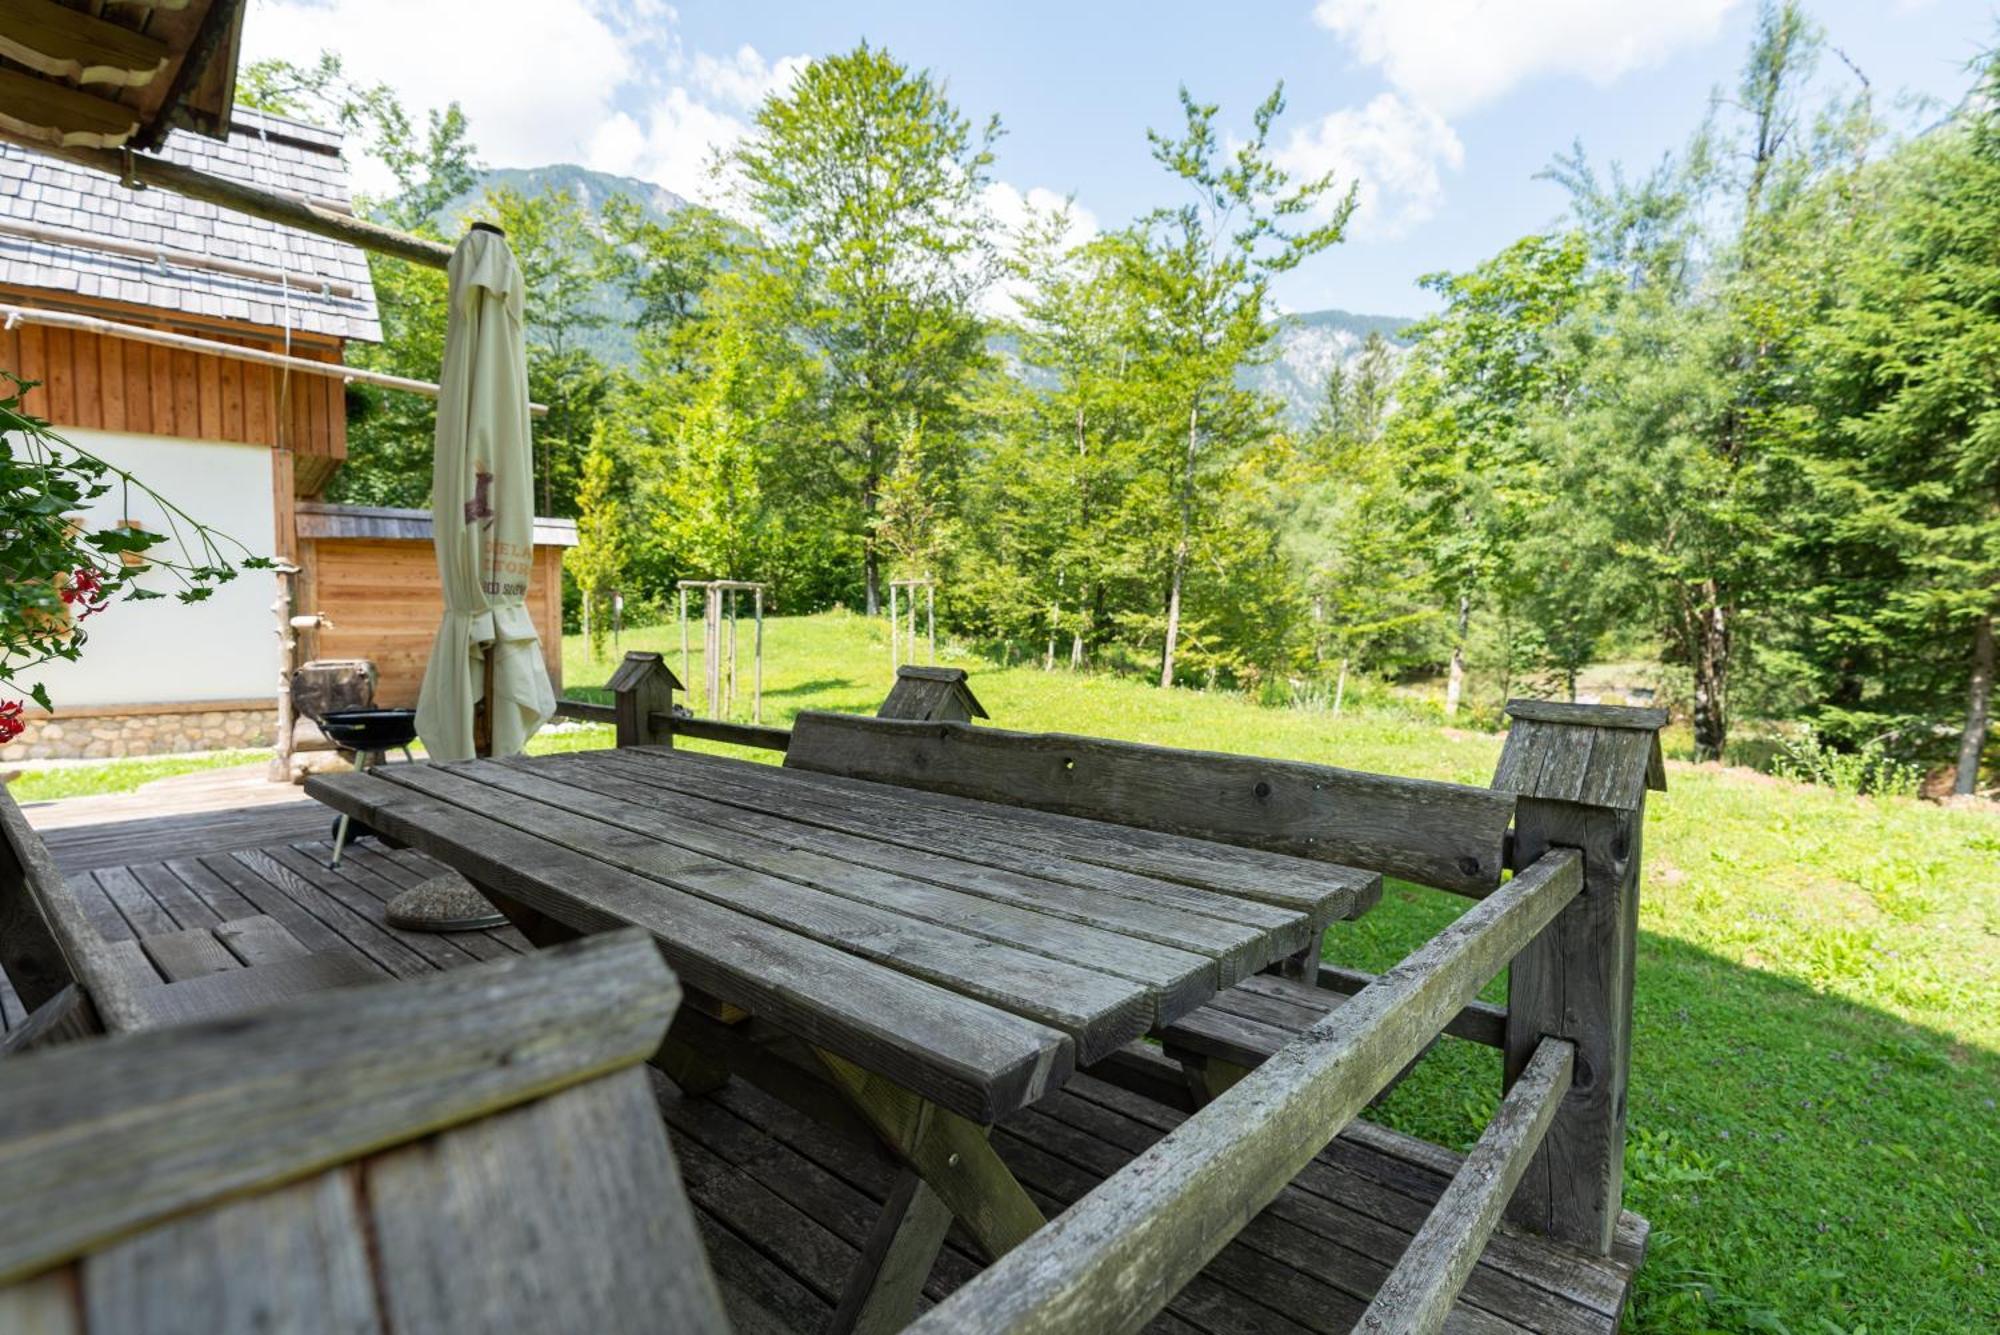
{"points": [[482, 510]]}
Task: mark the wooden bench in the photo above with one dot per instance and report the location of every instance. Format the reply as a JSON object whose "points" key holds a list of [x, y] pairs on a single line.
{"points": [[1288, 1060], [74, 979], [1286, 1057], [475, 1152]]}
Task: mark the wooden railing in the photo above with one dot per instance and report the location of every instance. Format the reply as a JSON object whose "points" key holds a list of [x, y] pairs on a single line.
{"points": [[1114, 1258]]}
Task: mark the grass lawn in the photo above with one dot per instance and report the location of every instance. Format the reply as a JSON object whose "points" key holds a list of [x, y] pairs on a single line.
{"points": [[1815, 1104], [88, 778]]}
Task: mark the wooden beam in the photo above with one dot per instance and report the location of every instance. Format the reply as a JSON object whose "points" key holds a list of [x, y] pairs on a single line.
{"points": [[70, 44], [1479, 1022], [140, 169], [107, 1137], [163, 338], [1441, 834], [1419, 1293], [45, 115], [1116, 1257]]}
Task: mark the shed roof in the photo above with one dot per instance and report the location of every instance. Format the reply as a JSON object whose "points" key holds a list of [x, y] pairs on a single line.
{"points": [[325, 288], [323, 519]]}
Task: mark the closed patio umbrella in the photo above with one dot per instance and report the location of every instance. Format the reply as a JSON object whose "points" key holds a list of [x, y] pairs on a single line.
{"points": [[482, 508], [482, 521]]}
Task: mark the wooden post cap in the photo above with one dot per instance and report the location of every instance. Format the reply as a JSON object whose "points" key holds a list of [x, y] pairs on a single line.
{"points": [[638, 667], [936, 694], [1593, 755]]}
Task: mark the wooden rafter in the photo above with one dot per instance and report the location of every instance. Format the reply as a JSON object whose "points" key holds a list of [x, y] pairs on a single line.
{"points": [[70, 44], [50, 114]]}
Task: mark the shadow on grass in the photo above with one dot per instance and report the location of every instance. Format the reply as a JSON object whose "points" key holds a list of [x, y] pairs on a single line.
{"points": [[813, 687], [1808, 1163]]}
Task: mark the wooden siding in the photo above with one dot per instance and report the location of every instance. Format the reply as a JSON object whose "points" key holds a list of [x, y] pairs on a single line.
{"points": [[114, 384], [381, 594]]}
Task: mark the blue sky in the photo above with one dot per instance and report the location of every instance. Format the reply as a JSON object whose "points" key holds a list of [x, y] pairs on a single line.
{"points": [[1443, 110]]}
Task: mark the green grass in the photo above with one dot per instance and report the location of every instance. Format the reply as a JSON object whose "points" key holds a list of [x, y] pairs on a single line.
{"points": [[1815, 1102], [116, 776]]}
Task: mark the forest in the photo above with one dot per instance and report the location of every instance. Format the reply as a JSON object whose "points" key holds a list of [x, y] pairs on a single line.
{"points": [[1737, 416]]}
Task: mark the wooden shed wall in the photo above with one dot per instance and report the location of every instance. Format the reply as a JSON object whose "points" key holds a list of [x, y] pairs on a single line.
{"points": [[90, 380], [382, 596]]}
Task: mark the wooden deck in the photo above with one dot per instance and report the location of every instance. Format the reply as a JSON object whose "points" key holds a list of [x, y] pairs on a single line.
{"points": [[784, 1206]]}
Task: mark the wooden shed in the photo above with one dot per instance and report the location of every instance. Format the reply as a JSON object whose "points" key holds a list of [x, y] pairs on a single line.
{"points": [[371, 571]]}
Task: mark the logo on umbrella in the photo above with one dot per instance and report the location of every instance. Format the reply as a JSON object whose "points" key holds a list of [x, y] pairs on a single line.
{"points": [[480, 507]]}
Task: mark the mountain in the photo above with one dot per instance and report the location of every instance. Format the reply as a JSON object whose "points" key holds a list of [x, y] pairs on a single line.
{"points": [[590, 188], [1308, 345], [611, 343]]}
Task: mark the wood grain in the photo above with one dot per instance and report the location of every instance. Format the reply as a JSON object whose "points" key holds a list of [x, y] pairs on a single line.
{"points": [[1116, 1257], [976, 1059], [117, 1134], [1417, 1297], [1440, 834]]}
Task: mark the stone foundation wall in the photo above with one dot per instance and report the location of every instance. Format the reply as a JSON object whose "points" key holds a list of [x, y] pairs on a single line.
{"points": [[101, 736]]}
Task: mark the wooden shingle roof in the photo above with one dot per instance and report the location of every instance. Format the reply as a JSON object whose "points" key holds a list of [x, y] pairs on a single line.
{"points": [[160, 250]]}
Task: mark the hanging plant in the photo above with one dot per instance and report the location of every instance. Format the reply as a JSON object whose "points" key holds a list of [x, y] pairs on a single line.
{"points": [[57, 572]]}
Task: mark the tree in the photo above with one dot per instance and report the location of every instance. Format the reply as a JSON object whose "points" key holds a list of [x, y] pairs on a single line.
{"points": [[564, 265], [597, 562], [866, 181], [1197, 283], [1065, 458], [1479, 373], [1908, 473]]}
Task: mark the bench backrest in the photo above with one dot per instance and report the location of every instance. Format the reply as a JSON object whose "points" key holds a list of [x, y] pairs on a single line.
{"points": [[1447, 835], [475, 1151], [33, 917]]}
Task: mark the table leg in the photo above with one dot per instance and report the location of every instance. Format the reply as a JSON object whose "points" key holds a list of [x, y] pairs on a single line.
{"points": [[882, 1289], [951, 1154]]}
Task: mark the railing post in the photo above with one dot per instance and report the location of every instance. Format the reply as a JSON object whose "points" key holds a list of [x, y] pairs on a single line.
{"points": [[936, 695], [643, 686], [1582, 772]]}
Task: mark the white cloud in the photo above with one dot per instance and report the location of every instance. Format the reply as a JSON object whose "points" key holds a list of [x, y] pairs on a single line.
{"points": [[673, 145], [534, 76], [1011, 210], [746, 78], [605, 82], [1394, 153], [1454, 55]]}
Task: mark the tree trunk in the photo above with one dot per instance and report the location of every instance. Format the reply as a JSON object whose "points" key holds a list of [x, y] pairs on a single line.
{"points": [[1180, 556], [1454, 685], [1978, 708], [1711, 674], [1340, 688]]}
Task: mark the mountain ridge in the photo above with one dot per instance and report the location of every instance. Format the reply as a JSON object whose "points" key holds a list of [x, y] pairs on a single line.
{"points": [[1308, 343]]}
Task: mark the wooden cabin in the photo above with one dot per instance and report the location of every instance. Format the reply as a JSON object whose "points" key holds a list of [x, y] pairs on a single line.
{"points": [[88, 271]]}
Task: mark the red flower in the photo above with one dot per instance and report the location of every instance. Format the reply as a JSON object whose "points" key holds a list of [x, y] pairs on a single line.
{"points": [[10, 721], [85, 590]]}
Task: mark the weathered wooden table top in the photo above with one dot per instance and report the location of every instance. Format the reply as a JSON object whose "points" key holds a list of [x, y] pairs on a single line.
{"points": [[970, 952]]}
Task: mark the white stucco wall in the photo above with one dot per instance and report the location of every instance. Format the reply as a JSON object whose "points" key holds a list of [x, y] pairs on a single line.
{"points": [[165, 651]]}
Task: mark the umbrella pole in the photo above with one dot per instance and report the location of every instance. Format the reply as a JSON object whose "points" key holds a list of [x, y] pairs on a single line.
{"points": [[482, 713]]}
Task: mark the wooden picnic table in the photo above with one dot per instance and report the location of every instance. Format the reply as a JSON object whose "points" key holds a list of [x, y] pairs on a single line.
{"points": [[916, 964]]}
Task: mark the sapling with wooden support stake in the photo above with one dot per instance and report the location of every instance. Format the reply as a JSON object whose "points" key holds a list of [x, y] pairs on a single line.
{"points": [[897, 641], [719, 617]]}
